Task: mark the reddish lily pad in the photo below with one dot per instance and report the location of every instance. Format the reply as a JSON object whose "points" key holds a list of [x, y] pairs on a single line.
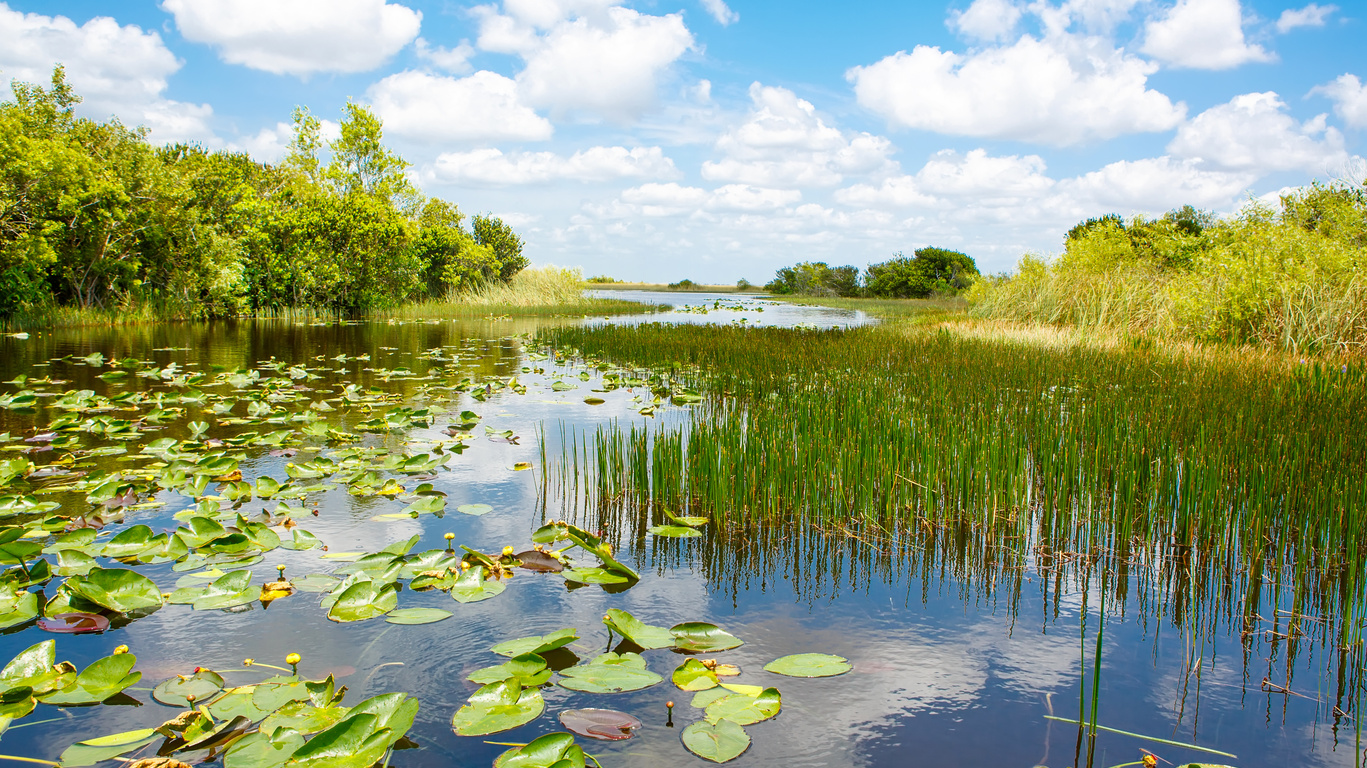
{"points": [[604, 724], [75, 623]]}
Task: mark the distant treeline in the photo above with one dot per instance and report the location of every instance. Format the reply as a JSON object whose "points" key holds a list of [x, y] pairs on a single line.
{"points": [[927, 272], [1292, 275], [94, 216]]}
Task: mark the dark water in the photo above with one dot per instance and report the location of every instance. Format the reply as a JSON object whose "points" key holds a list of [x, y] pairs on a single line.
{"points": [[959, 654]]}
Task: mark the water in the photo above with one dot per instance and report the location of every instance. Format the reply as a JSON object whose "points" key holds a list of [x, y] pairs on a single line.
{"points": [[958, 658], [732, 309]]}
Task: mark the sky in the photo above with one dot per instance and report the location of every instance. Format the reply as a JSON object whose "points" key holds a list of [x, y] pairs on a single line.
{"points": [[715, 140]]}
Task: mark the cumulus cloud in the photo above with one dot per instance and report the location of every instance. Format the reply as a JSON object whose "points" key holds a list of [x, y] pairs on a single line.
{"points": [[1158, 184], [299, 37], [1058, 91], [1311, 15], [270, 144], [607, 67], [951, 178], [1254, 132], [118, 70], [989, 20], [785, 143], [492, 167], [482, 106], [1202, 34], [455, 60], [720, 11], [1349, 95]]}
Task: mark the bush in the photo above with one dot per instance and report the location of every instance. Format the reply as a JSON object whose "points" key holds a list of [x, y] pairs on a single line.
{"points": [[815, 278], [930, 271]]}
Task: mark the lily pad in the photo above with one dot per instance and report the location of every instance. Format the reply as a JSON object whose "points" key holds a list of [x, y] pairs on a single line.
{"points": [[594, 576], [610, 673], [538, 644], [604, 724], [474, 509], [97, 682], [93, 751], [498, 707], [693, 675], [472, 586], [181, 690], [75, 623], [364, 600], [743, 709], [718, 742], [674, 531], [117, 589], [416, 616], [701, 637], [356, 742], [809, 665], [554, 750], [645, 635], [528, 670]]}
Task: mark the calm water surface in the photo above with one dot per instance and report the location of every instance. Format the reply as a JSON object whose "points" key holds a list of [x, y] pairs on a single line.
{"points": [[958, 657]]}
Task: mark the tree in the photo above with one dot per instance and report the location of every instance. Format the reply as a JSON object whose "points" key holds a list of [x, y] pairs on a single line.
{"points": [[450, 258], [929, 271], [362, 164], [815, 278], [492, 233]]}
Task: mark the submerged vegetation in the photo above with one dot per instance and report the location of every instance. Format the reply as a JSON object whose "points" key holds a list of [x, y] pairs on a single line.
{"points": [[1292, 276], [95, 218]]}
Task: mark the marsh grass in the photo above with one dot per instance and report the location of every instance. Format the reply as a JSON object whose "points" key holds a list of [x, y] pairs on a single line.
{"points": [[534, 291], [1212, 491]]}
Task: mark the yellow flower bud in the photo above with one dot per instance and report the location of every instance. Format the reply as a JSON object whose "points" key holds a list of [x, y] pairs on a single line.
{"points": [[248, 662], [293, 659], [121, 649], [507, 551]]}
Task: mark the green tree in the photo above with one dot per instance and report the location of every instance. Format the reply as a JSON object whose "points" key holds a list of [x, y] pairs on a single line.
{"points": [[929, 271], [491, 232], [815, 278], [361, 163]]}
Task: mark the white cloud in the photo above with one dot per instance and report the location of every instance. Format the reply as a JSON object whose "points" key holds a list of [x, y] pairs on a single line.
{"points": [[785, 143], [454, 60], [607, 67], [298, 37], [1158, 184], [1061, 91], [743, 197], [1349, 95], [1312, 15], [671, 195], [271, 144], [120, 71], [483, 106], [1202, 34], [721, 12], [494, 168], [989, 20], [1253, 132], [953, 178]]}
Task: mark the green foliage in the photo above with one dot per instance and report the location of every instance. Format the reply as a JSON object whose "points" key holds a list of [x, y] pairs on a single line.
{"points": [[94, 217], [815, 278], [930, 271], [1291, 277]]}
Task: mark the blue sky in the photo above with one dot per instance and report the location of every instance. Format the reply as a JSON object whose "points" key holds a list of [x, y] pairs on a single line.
{"points": [[721, 139]]}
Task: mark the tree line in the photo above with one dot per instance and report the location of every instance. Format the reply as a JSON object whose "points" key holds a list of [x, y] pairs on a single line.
{"points": [[93, 215], [927, 272]]}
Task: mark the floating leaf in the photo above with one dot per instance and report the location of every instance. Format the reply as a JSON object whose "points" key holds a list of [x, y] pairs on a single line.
{"points": [[809, 665], [263, 750], [674, 531], [539, 644], [743, 709], [605, 724], [522, 466], [528, 670], [97, 682], [75, 623], [364, 600], [416, 616], [474, 509], [610, 673], [693, 675], [539, 562], [594, 576], [356, 742], [181, 689], [93, 751], [472, 586], [554, 750], [498, 707], [718, 742], [645, 635], [702, 637], [117, 589], [24, 608]]}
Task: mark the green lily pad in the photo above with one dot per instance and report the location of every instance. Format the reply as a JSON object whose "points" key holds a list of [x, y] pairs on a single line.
{"points": [[693, 675], [97, 682], [416, 616], [263, 750], [229, 590], [718, 742], [701, 637], [472, 587], [610, 673], [474, 509], [529, 670], [554, 750], [674, 531], [356, 742], [538, 644], [316, 582], [809, 665], [364, 600], [745, 710], [498, 707], [594, 576], [23, 609], [181, 689], [117, 589], [93, 751], [36, 668], [645, 635]]}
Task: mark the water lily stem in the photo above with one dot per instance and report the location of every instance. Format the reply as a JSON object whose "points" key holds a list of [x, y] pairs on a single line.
{"points": [[44, 762]]}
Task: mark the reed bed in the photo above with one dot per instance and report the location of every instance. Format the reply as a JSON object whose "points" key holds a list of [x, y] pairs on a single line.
{"points": [[1220, 493]]}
